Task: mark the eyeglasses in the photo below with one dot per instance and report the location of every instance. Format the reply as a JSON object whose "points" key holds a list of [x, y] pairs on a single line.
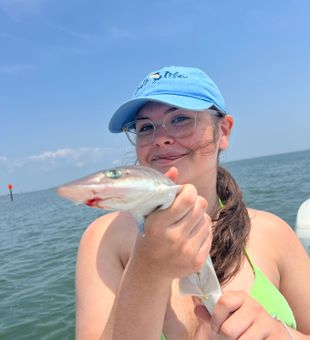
{"points": [[178, 124]]}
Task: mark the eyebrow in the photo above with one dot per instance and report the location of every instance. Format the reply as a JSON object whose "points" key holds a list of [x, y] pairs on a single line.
{"points": [[170, 109]]}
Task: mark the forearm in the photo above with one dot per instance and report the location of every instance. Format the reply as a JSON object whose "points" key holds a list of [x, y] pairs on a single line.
{"points": [[140, 305]]}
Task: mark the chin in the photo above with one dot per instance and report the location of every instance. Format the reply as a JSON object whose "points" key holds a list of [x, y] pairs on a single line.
{"points": [[162, 169], [183, 180]]}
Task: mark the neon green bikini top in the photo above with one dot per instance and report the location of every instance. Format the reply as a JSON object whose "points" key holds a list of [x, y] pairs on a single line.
{"points": [[264, 292], [270, 297]]}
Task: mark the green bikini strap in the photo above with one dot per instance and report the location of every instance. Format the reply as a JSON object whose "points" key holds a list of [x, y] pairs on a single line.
{"points": [[221, 204], [249, 259]]}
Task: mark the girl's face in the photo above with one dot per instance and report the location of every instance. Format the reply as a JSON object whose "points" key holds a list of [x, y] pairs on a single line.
{"points": [[195, 156]]}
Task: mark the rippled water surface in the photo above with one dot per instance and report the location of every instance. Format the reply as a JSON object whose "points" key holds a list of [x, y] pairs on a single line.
{"points": [[40, 234]]}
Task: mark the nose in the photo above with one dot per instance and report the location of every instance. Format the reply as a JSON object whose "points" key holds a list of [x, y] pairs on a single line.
{"points": [[161, 136]]}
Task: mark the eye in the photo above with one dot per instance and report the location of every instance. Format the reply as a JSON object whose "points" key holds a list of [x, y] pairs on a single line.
{"points": [[181, 119], [113, 173], [144, 128]]}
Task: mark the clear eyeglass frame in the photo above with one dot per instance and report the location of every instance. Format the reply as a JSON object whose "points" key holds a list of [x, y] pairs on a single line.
{"points": [[177, 124], [180, 129]]}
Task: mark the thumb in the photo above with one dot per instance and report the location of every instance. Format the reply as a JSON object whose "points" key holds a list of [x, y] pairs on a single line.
{"points": [[172, 173]]}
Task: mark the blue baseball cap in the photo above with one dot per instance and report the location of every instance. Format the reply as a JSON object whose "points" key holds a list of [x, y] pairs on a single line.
{"points": [[183, 87]]}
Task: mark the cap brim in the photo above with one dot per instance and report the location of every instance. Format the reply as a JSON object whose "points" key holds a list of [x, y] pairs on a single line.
{"points": [[127, 112]]}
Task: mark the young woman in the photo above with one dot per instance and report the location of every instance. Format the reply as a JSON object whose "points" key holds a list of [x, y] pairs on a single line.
{"points": [[127, 284]]}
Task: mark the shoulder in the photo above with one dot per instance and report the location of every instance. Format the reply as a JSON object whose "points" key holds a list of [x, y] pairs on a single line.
{"points": [[113, 226], [265, 224], [269, 233], [111, 233]]}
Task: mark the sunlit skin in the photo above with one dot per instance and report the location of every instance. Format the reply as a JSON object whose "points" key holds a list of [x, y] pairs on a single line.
{"points": [[195, 156]]}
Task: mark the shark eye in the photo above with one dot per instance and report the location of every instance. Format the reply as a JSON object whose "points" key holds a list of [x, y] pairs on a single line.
{"points": [[113, 173]]}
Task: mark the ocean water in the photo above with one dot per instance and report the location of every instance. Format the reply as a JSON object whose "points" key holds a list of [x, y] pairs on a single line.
{"points": [[40, 233]]}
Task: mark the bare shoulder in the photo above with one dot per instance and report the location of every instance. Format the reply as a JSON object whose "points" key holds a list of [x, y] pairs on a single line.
{"points": [[271, 230], [273, 240], [112, 228], [111, 235], [264, 219], [113, 220]]}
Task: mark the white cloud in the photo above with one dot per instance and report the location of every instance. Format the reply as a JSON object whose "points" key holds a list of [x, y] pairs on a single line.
{"points": [[64, 158], [79, 157], [51, 155]]}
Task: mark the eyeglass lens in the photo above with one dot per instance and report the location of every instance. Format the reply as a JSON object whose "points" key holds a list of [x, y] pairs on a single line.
{"points": [[177, 123]]}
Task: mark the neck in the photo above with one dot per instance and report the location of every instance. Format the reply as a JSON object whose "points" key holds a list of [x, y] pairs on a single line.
{"points": [[213, 212], [210, 194]]}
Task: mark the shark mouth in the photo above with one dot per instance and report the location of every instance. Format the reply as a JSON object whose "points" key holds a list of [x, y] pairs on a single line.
{"points": [[93, 202]]}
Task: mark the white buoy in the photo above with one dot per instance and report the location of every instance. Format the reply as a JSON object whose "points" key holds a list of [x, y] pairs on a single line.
{"points": [[302, 228]]}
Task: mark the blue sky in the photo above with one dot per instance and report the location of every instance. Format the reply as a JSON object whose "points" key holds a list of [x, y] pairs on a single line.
{"points": [[65, 66]]}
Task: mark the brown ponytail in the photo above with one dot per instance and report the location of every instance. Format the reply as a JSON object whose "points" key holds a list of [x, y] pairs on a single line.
{"points": [[231, 228]]}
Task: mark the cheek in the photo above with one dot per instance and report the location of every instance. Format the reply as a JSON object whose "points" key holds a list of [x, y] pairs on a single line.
{"points": [[141, 154], [204, 141]]}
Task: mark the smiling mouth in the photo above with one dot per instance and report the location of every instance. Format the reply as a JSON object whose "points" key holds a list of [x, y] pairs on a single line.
{"points": [[168, 157]]}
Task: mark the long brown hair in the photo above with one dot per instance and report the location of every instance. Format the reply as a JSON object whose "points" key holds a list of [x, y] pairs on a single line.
{"points": [[232, 225], [231, 229]]}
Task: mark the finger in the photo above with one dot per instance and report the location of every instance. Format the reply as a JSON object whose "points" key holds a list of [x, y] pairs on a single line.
{"points": [[183, 203], [204, 250], [257, 330], [264, 327], [201, 224], [196, 250], [172, 173], [237, 323], [171, 216], [195, 219], [194, 234], [228, 303], [200, 236]]}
